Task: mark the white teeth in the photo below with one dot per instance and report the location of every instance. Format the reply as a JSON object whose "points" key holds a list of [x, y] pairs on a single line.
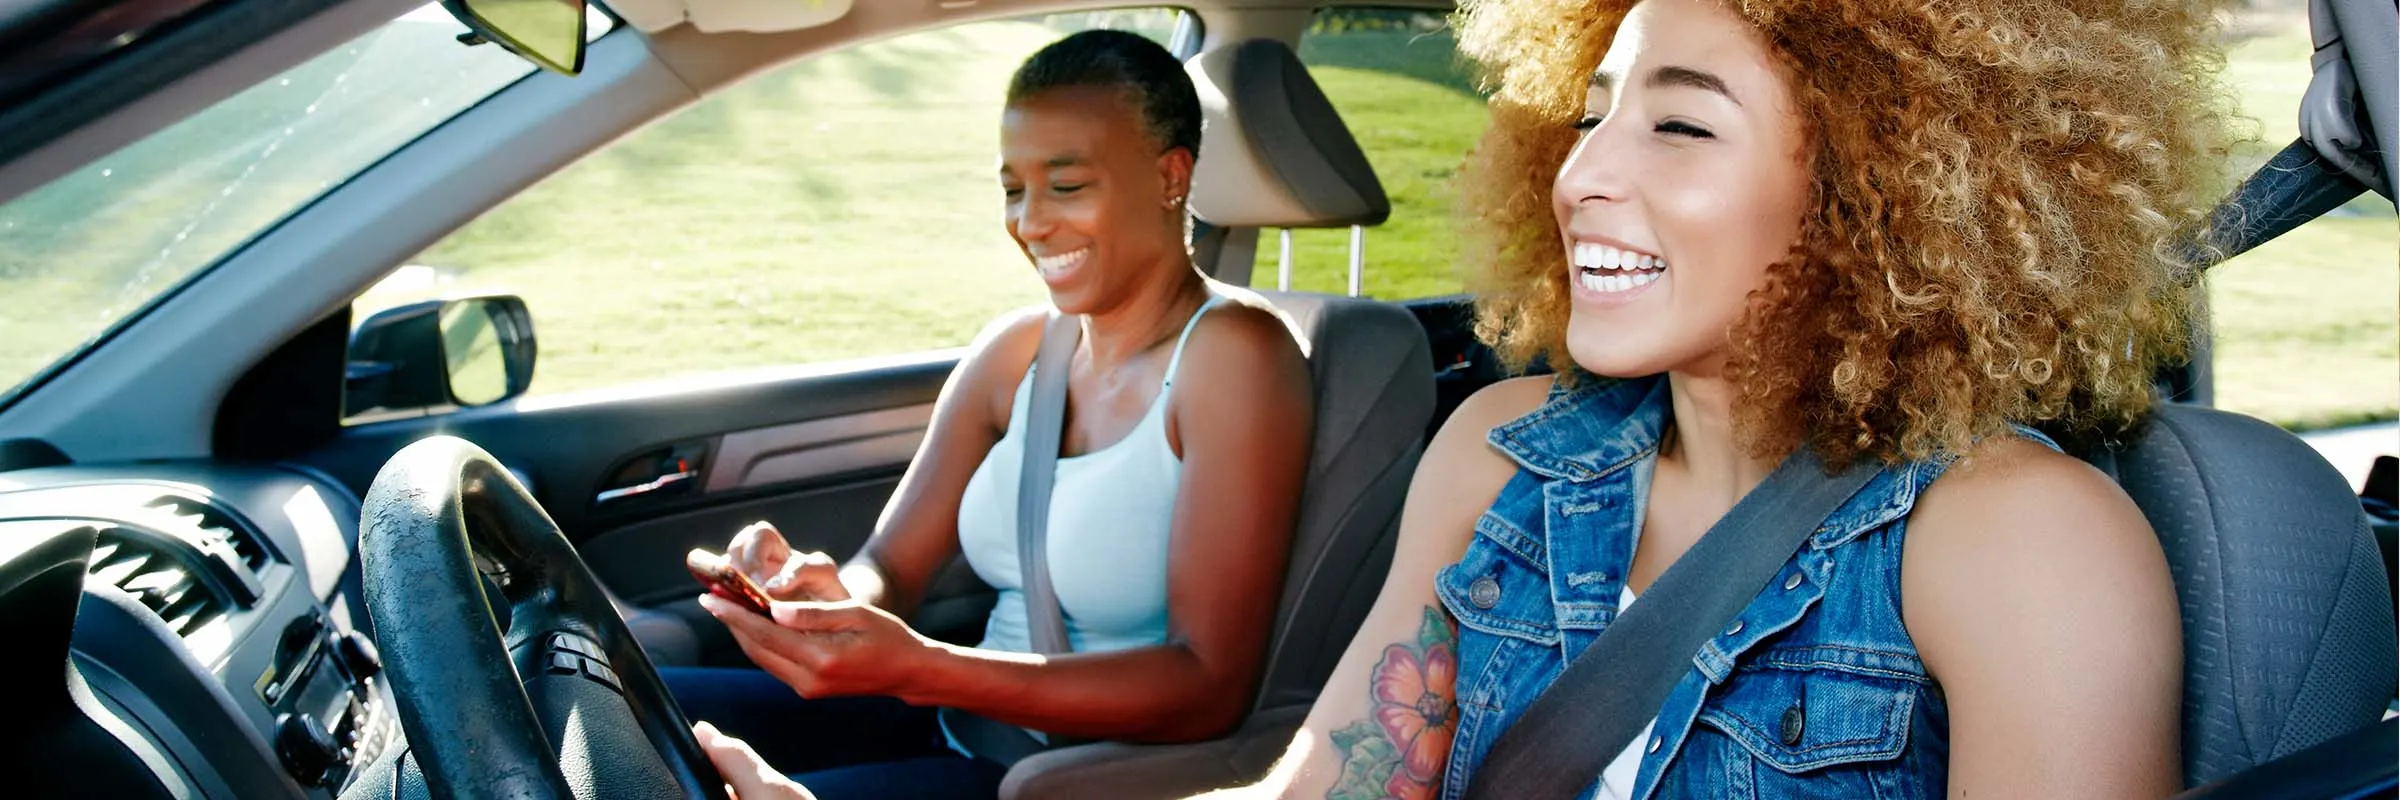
{"points": [[1062, 261], [1607, 284], [1594, 256]]}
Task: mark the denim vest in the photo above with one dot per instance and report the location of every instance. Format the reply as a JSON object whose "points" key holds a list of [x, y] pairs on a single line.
{"points": [[1814, 691]]}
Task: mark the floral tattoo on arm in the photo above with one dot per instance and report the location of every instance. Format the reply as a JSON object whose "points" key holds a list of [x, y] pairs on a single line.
{"points": [[1398, 751]]}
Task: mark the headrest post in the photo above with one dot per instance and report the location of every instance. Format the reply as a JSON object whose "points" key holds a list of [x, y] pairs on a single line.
{"points": [[1358, 259], [1283, 267]]}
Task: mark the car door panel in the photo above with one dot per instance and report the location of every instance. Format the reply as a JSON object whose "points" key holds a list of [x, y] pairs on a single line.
{"points": [[643, 562], [816, 450]]}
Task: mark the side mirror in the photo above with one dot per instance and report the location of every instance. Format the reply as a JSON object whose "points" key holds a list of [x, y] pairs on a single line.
{"points": [[546, 32], [438, 354]]}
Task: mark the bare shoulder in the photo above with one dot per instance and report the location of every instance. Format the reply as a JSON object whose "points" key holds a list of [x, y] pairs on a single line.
{"points": [[1247, 326], [1461, 467], [1010, 338], [1503, 402], [1250, 356], [2021, 500], [2019, 546], [996, 361], [1465, 432], [2041, 602]]}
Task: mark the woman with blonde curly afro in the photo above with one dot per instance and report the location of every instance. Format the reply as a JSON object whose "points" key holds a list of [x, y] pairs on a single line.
{"points": [[1902, 235]]}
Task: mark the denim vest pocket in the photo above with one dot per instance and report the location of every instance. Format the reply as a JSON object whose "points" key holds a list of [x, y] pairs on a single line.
{"points": [[1498, 587], [1798, 719]]}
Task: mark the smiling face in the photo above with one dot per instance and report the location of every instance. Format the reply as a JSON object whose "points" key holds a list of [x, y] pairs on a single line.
{"points": [[1090, 198], [1687, 184]]}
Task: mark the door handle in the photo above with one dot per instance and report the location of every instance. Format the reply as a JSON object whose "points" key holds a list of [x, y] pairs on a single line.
{"points": [[672, 471], [666, 481]]}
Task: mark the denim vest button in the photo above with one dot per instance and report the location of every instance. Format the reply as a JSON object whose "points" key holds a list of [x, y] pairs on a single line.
{"points": [[1794, 722], [1657, 742], [1484, 592], [1792, 582], [1735, 628]]}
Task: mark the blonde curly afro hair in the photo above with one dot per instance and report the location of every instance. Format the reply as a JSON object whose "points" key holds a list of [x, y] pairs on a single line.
{"points": [[1993, 243]]}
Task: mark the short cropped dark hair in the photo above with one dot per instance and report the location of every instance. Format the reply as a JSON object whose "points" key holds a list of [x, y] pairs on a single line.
{"points": [[1152, 79]]}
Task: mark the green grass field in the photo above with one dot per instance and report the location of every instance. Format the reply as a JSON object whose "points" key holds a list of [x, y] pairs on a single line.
{"points": [[842, 207], [845, 207]]}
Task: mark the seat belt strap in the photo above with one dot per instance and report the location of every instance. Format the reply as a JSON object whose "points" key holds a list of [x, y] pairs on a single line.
{"points": [[1615, 688], [1045, 425], [1045, 621]]}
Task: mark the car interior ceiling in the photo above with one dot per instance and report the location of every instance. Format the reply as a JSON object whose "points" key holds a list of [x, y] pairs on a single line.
{"points": [[247, 685]]}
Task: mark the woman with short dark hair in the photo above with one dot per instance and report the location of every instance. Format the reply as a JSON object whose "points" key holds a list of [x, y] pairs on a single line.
{"points": [[1166, 547]]}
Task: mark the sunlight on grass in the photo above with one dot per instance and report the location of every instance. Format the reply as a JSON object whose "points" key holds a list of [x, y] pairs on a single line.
{"points": [[2305, 325], [838, 208]]}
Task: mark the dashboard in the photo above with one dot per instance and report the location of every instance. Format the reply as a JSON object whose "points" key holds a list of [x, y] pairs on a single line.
{"points": [[216, 646]]}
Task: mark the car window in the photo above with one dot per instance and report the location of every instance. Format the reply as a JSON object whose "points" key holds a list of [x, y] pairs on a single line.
{"points": [[2307, 327], [86, 251], [1396, 77], [841, 207]]}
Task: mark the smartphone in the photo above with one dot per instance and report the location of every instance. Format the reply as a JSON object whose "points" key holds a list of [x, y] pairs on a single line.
{"points": [[716, 573]]}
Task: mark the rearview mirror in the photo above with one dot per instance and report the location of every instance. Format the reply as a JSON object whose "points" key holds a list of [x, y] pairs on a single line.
{"points": [[546, 32], [460, 353]]}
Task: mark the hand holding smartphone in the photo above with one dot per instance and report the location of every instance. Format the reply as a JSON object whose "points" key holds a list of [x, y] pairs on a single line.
{"points": [[723, 580]]}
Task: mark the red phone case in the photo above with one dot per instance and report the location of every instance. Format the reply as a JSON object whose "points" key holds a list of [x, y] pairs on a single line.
{"points": [[729, 583]]}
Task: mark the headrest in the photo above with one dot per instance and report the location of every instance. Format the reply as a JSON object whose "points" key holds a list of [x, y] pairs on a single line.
{"points": [[1275, 153]]}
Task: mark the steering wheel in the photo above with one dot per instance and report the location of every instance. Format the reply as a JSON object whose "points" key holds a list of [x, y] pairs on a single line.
{"points": [[563, 703]]}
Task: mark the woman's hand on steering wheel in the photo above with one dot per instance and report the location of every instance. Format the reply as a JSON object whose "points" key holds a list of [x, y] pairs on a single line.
{"points": [[829, 649], [762, 554], [747, 776]]}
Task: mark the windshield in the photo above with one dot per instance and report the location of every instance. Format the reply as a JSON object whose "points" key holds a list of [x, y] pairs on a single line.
{"points": [[83, 253]]}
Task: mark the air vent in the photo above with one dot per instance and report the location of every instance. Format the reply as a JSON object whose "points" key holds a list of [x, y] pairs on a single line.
{"points": [[151, 571], [210, 524]]}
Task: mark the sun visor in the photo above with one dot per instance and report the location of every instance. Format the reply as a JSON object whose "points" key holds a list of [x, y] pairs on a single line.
{"points": [[721, 16]]}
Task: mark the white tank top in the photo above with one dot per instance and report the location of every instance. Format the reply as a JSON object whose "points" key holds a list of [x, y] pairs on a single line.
{"points": [[1111, 511], [1616, 781]]}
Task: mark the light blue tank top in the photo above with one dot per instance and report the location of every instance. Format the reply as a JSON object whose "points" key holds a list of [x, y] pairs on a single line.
{"points": [[1111, 512]]}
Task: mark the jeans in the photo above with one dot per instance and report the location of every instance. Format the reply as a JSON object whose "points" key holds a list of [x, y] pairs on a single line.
{"points": [[841, 748]]}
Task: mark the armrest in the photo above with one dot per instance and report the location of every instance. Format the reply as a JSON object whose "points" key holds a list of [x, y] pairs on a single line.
{"points": [[1114, 771]]}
